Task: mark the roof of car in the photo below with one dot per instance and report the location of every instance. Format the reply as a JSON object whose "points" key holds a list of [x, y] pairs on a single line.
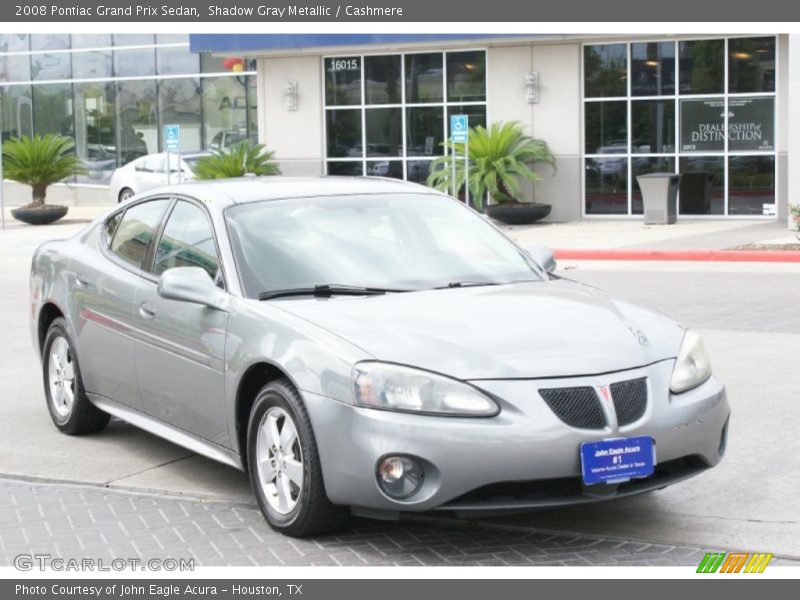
{"points": [[255, 189]]}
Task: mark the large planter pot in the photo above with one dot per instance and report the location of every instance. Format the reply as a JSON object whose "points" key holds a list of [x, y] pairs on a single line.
{"points": [[39, 216], [518, 213]]}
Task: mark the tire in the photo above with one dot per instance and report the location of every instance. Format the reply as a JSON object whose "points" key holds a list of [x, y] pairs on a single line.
{"points": [[292, 504], [71, 411], [125, 194]]}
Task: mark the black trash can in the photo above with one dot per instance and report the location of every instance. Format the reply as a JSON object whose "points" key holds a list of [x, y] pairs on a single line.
{"points": [[660, 197], [695, 193]]}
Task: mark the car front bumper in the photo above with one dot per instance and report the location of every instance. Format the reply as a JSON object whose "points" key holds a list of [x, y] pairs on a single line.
{"points": [[525, 457]]}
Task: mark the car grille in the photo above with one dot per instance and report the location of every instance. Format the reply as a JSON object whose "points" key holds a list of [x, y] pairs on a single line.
{"points": [[576, 406], [630, 399]]}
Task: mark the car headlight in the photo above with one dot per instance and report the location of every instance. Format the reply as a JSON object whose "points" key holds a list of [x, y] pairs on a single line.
{"points": [[392, 387], [692, 367]]}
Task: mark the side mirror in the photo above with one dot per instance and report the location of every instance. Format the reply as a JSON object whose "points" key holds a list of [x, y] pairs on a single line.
{"points": [[191, 284], [542, 256]]}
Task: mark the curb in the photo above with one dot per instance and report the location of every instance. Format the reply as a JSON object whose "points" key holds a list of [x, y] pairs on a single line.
{"points": [[772, 256]]}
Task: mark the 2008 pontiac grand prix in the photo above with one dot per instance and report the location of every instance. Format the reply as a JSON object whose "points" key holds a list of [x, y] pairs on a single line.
{"points": [[368, 346]]}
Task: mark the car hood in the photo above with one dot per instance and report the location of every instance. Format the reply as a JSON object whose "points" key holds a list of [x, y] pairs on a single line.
{"points": [[526, 330]]}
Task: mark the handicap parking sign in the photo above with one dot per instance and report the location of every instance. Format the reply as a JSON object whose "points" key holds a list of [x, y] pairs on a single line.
{"points": [[172, 138], [459, 129]]}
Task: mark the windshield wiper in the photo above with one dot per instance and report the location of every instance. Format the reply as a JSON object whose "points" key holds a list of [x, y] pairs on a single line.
{"points": [[326, 290]]}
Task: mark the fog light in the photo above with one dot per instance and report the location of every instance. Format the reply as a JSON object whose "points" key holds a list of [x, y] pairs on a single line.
{"points": [[400, 476]]}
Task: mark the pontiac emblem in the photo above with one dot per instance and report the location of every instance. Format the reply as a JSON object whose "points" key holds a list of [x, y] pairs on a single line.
{"points": [[605, 393]]}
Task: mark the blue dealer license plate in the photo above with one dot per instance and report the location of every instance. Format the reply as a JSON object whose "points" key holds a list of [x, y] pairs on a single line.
{"points": [[617, 460]]}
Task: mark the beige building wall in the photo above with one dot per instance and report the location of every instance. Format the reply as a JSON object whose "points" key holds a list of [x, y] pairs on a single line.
{"points": [[555, 118], [296, 136]]}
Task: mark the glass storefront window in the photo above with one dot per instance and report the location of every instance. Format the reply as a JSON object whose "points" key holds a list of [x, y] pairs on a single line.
{"points": [[466, 76], [16, 111], [135, 63], [653, 126], [49, 41], [91, 65], [384, 132], [653, 69], [133, 39], [177, 60], [751, 185], [91, 40], [641, 165], [137, 107], [400, 139], [702, 67], [382, 80], [385, 168], [725, 145], [15, 67], [14, 42], [607, 186], [51, 67], [343, 133], [172, 38], [52, 109], [424, 73], [424, 131], [95, 131], [751, 65], [349, 168], [606, 128], [179, 103], [751, 124], [605, 70], [224, 111], [703, 125], [702, 190], [342, 81]]}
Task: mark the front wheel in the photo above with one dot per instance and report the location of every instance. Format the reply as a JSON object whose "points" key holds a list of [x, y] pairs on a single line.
{"points": [[125, 194], [284, 465], [67, 403]]}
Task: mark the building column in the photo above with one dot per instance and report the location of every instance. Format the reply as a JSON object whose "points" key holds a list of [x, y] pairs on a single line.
{"points": [[793, 121]]}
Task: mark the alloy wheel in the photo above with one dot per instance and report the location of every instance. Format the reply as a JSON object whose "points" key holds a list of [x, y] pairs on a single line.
{"points": [[61, 377], [280, 460]]}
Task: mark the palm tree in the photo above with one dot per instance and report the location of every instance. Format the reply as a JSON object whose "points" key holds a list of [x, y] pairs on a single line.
{"points": [[241, 159], [39, 162], [498, 157]]}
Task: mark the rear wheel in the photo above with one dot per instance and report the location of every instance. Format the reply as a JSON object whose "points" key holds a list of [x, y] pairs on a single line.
{"points": [[284, 465], [125, 194], [67, 403]]}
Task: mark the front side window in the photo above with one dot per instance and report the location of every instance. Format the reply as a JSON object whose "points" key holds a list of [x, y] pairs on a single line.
{"points": [[135, 231], [397, 241], [187, 241]]}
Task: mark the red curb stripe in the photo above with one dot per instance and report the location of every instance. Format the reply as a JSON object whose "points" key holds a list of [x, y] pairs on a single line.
{"points": [[775, 256]]}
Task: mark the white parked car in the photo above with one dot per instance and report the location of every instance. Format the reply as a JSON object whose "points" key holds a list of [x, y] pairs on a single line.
{"points": [[150, 171]]}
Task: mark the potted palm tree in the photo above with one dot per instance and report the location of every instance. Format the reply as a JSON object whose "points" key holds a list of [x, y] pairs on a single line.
{"points": [[498, 158], [243, 158], [39, 162]]}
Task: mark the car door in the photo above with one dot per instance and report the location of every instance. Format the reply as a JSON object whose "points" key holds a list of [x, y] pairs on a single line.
{"points": [[180, 345], [150, 172], [105, 284]]}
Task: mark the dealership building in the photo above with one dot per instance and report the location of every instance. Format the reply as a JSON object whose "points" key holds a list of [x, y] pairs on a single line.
{"points": [[724, 111]]}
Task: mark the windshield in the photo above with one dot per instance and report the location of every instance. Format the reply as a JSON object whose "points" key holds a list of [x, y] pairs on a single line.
{"points": [[397, 241]]}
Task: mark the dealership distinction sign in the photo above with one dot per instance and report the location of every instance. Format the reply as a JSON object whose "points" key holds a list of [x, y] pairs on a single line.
{"points": [[750, 125]]}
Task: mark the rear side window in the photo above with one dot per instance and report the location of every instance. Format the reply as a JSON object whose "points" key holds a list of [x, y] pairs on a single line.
{"points": [[111, 226], [187, 241], [136, 230]]}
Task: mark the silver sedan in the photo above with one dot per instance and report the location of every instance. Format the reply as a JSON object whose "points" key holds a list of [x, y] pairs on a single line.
{"points": [[366, 346]]}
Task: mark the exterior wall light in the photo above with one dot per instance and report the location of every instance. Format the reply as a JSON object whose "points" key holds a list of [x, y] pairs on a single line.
{"points": [[532, 87], [290, 95]]}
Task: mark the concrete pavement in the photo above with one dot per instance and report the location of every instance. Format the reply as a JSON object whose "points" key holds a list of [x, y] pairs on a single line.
{"points": [[746, 312]]}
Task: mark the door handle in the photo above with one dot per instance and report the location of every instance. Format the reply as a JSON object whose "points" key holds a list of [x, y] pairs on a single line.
{"points": [[82, 281], [146, 310]]}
